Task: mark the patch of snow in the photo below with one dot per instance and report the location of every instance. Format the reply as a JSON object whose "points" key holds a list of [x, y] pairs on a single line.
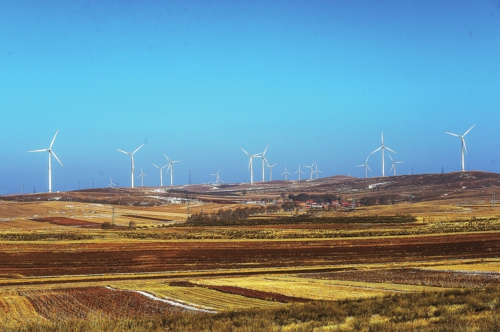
{"points": [[177, 304]]}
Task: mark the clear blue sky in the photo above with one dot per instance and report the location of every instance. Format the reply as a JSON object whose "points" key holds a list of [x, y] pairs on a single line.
{"points": [[197, 80]]}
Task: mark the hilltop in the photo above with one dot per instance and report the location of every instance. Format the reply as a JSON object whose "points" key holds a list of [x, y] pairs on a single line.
{"points": [[466, 187]]}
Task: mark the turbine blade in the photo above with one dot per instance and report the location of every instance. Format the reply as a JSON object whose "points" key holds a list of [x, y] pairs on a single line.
{"points": [[368, 168], [468, 130], [263, 153], [391, 150], [55, 156], [138, 148], [124, 151], [156, 166], [41, 150], [248, 154], [465, 146], [51, 143], [376, 150], [167, 158], [452, 134]]}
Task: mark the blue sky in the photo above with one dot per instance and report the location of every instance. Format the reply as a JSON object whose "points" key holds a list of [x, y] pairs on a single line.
{"points": [[316, 80]]}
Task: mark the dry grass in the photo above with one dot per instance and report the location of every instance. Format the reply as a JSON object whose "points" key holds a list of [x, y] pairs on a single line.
{"points": [[313, 289], [197, 296]]}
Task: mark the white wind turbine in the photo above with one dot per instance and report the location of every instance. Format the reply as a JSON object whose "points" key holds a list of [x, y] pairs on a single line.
{"points": [[365, 165], [383, 147], [49, 150], [299, 171], [317, 170], [311, 170], [142, 175], [111, 184], [464, 147], [161, 173], [264, 162], [217, 178], [271, 170], [131, 154], [286, 173], [171, 168], [394, 164], [250, 163]]}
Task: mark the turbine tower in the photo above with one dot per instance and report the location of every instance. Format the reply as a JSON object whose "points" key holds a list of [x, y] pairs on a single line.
{"points": [[383, 147], [131, 154], [271, 170], [365, 165], [264, 162], [394, 164], [161, 173], [250, 163], [464, 147], [286, 173], [299, 171], [51, 152], [171, 168], [142, 175]]}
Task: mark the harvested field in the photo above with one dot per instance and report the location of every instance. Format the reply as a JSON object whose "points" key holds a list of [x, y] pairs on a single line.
{"points": [[296, 289], [68, 222], [70, 303], [198, 296], [66, 258], [416, 276]]}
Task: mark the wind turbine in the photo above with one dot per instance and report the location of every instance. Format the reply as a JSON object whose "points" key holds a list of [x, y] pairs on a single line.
{"points": [[383, 147], [317, 170], [217, 178], [285, 173], [365, 165], [271, 170], [131, 161], [250, 163], [464, 147], [394, 164], [51, 152], [299, 171], [111, 184], [161, 173], [311, 170], [142, 175], [171, 168], [264, 162]]}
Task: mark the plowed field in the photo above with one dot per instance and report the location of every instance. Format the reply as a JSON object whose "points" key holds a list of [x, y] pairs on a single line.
{"points": [[67, 258]]}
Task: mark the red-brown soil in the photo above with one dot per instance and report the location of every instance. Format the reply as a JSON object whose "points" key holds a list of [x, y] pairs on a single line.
{"points": [[69, 303], [95, 258]]}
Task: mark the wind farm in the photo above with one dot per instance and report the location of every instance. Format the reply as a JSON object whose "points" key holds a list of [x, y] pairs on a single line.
{"points": [[282, 166]]}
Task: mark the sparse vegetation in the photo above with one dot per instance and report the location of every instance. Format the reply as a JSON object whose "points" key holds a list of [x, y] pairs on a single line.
{"points": [[429, 311]]}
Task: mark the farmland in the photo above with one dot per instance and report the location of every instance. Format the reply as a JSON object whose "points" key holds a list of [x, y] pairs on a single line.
{"points": [[150, 268]]}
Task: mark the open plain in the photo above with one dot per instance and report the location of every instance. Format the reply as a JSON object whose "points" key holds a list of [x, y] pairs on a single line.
{"points": [[161, 258]]}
